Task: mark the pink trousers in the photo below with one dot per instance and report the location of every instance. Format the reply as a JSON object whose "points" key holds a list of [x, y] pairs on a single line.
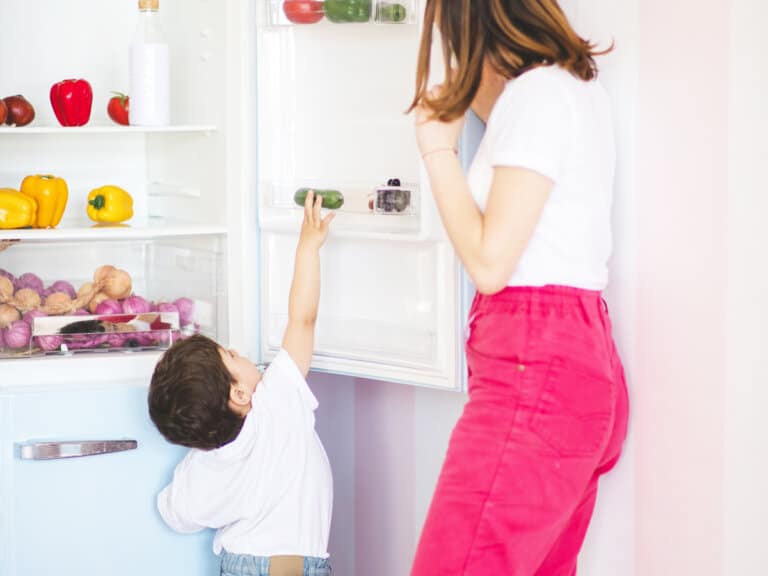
{"points": [[546, 417]]}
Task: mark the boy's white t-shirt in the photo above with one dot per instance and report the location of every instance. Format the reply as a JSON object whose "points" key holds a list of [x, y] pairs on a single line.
{"points": [[270, 491], [553, 123]]}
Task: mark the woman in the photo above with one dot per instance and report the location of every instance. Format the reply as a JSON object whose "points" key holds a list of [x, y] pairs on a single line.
{"points": [[547, 410]]}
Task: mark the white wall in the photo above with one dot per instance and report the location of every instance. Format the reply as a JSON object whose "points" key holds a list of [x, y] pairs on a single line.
{"points": [[746, 389], [680, 324]]}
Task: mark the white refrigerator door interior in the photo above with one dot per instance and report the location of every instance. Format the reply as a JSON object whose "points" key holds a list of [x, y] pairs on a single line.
{"points": [[51, 510], [331, 102]]}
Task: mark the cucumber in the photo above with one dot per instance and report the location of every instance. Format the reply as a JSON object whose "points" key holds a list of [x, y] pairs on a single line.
{"points": [[332, 199]]}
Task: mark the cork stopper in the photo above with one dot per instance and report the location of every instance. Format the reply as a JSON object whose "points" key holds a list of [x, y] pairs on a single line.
{"points": [[149, 4]]}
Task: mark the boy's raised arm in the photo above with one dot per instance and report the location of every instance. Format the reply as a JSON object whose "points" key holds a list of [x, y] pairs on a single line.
{"points": [[304, 298]]}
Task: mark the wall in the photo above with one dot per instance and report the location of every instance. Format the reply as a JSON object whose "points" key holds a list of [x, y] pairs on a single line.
{"points": [[746, 329], [681, 312]]}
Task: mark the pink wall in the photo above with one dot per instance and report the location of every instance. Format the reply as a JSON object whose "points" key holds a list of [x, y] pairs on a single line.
{"points": [[384, 472], [680, 360]]}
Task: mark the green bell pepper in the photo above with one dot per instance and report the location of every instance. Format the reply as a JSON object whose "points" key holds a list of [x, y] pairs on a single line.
{"points": [[340, 11]]}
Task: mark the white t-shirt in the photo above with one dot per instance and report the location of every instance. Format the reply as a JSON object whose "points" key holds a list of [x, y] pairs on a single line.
{"points": [[270, 491], [549, 121]]}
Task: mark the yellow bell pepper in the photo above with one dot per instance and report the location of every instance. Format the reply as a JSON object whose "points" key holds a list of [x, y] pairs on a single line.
{"points": [[51, 194], [17, 210], [110, 204]]}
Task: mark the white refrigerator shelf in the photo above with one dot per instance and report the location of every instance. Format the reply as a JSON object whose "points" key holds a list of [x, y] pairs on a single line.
{"points": [[105, 129], [89, 231]]}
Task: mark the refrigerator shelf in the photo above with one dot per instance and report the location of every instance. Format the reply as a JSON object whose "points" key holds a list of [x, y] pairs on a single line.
{"points": [[105, 129], [88, 231]]}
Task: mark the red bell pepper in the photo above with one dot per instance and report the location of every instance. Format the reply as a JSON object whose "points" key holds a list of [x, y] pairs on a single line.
{"points": [[71, 101]]}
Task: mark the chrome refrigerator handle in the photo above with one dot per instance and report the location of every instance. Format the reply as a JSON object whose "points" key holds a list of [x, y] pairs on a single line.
{"points": [[72, 448]]}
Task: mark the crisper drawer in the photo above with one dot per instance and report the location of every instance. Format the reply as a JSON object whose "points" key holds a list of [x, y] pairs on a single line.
{"points": [[80, 296], [90, 515]]}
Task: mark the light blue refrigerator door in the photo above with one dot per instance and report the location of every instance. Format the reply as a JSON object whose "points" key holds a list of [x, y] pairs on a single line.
{"points": [[93, 515], [474, 129]]}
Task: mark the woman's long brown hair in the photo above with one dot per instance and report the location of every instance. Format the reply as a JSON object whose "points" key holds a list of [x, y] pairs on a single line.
{"points": [[515, 35]]}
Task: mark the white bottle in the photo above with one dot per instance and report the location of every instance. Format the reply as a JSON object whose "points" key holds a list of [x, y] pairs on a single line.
{"points": [[150, 82]]}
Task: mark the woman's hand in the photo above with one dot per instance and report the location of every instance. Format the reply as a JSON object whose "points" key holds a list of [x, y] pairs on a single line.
{"points": [[432, 134]]}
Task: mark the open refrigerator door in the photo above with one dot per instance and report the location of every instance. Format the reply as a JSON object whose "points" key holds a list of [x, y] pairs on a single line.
{"points": [[333, 89]]}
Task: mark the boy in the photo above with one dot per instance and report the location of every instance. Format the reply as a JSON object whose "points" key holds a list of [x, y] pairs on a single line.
{"points": [[257, 471]]}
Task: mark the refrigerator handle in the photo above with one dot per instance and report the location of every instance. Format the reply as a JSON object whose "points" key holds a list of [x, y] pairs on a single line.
{"points": [[72, 448]]}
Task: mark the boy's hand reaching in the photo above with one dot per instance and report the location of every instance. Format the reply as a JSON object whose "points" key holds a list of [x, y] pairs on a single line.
{"points": [[314, 229], [304, 298]]}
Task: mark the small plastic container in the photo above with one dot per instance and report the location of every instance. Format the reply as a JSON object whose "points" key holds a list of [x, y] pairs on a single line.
{"points": [[104, 332], [393, 199], [394, 11]]}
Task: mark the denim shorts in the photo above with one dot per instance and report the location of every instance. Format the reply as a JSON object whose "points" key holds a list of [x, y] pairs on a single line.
{"points": [[246, 565]]}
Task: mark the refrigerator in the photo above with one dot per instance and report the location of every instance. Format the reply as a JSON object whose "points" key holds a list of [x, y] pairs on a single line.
{"points": [[261, 107]]}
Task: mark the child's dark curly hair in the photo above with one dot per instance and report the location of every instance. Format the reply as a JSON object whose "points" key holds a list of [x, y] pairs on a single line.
{"points": [[189, 396]]}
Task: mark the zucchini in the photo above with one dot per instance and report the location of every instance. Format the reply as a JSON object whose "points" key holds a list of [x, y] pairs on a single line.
{"points": [[332, 199]]}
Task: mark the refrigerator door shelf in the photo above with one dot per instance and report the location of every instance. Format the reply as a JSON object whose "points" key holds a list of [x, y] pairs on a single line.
{"points": [[357, 196], [367, 210], [319, 12], [386, 309]]}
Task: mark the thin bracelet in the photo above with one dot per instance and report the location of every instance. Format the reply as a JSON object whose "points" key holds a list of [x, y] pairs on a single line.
{"points": [[436, 150]]}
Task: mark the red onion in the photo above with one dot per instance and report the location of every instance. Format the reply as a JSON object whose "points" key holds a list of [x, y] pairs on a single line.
{"points": [[186, 310], [109, 306], [99, 339], [167, 336], [167, 307], [138, 339], [47, 343], [116, 340], [80, 312], [30, 316], [6, 274], [135, 305], [29, 280], [61, 286], [2, 340], [84, 341], [17, 335]]}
